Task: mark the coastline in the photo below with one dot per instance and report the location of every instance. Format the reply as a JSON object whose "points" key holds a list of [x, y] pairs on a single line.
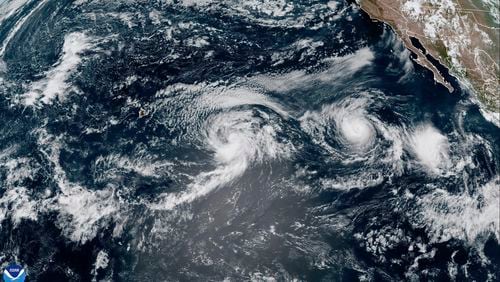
{"points": [[462, 49]]}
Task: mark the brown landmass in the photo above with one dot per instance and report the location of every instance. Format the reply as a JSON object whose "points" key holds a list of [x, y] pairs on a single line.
{"points": [[461, 34]]}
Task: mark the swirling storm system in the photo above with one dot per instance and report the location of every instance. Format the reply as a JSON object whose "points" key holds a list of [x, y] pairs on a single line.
{"points": [[261, 140]]}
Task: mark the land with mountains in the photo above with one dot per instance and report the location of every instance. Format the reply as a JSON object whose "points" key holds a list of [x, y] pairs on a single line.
{"points": [[462, 35]]}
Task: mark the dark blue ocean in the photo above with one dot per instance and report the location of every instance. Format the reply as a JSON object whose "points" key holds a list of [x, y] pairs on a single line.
{"points": [[262, 140]]}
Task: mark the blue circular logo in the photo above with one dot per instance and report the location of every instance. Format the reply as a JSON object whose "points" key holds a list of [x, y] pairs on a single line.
{"points": [[14, 272]]}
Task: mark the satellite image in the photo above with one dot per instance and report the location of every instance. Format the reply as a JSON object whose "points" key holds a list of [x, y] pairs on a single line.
{"points": [[250, 140]]}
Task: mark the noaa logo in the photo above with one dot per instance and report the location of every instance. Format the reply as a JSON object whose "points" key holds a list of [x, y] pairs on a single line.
{"points": [[14, 273]]}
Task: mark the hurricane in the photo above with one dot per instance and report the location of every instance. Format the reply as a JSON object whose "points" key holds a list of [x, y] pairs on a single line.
{"points": [[263, 140]]}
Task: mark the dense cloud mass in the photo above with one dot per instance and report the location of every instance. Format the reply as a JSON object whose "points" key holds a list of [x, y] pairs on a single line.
{"points": [[263, 140]]}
